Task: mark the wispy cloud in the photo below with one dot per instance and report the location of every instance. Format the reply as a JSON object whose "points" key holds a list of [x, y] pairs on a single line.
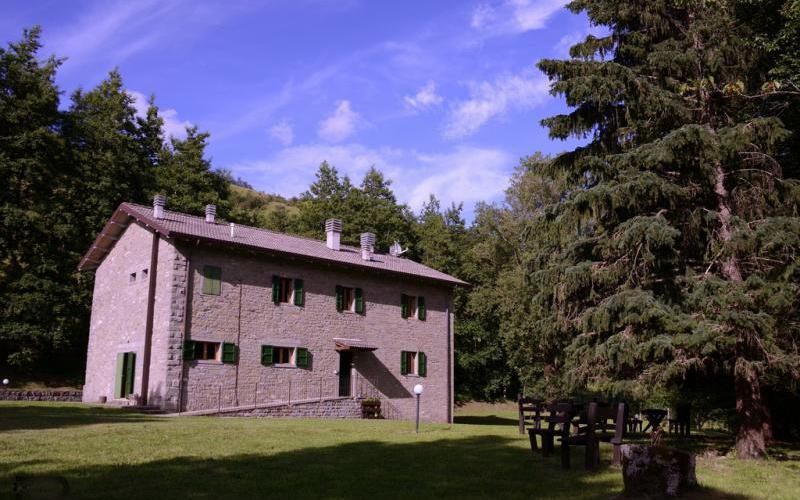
{"points": [[341, 124], [464, 174], [425, 98], [282, 132], [514, 16], [494, 99], [173, 126]]}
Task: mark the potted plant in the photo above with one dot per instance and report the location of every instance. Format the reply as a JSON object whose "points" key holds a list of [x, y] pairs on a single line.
{"points": [[371, 408]]}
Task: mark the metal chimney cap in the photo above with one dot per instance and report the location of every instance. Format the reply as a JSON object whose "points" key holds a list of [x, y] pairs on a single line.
{"points": [[333, 225]]}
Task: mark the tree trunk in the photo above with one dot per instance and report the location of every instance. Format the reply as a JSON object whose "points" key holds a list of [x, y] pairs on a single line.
{"points": [[750, 406], [751, 411]]}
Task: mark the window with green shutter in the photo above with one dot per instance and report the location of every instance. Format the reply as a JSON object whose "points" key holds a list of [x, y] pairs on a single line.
{"points": [[302, 357], [422, 364], [359, 299], [212, 280], [299, 293], [339, 298], [266, 355], [188, 350], [276, 289], [228, 352], [421, 314]]}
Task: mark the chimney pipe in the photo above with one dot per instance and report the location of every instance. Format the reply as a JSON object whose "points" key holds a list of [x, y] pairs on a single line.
{"points": [[211, 214], [233, 227], [333, 233], [367, 245], [158, 206]]}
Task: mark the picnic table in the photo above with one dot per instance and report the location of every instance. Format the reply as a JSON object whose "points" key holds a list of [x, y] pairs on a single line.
{"points": [[654, 418]]}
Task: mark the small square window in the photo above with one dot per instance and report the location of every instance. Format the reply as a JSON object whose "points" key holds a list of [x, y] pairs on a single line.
{"points": [[283, 355], [132, 278], [144, 274], [207, 350]]}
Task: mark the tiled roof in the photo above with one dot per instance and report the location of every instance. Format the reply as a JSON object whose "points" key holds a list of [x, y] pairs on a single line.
{"points": [[183, 226]]}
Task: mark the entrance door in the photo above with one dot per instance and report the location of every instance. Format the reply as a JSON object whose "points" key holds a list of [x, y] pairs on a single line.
{"points": [[123, 385], [345, 360]]}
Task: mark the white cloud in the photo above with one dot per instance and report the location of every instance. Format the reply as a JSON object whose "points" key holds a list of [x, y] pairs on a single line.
{"points": [[425, 98], [464, 174], [514, 16], [567, 41], [173, 126], [282, 132], [489, 100], [341, 124]]}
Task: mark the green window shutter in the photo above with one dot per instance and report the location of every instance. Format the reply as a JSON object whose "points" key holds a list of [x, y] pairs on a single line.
{"points": [[404, 305], [339, 299], [212, 280], [299, 293], [403, 363], [130, 370], [228, 352], [276, 289], [302, 357], [359, 301], [120, 375], [188, 350], [422, 364], [421, 308], [266, 355]]}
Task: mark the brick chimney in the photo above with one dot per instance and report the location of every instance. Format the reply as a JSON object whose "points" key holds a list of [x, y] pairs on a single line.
{"points": [[333, 233], [158, 206], [367, 245], [211, 214]]}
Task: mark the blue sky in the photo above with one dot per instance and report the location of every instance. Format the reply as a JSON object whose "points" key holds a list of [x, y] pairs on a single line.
{"points": [[443, 97]]}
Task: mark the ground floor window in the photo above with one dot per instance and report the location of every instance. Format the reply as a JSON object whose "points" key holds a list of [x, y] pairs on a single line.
{"points": [[288, 356], [413, 363], [206, 350]]}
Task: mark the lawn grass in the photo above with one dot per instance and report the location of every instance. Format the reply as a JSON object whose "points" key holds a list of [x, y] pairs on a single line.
{"points": [[106, 453]]}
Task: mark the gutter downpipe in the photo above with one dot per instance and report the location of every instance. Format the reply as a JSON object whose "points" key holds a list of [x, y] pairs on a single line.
{"points": [[148, 329]]}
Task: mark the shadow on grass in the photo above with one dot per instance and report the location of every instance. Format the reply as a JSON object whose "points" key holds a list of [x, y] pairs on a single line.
{"points": [[474, 467], [16, 416], [484, 420], [484, 466]]}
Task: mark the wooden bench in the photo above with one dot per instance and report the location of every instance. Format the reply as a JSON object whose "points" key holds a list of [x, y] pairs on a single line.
{"points": [[558, 422], [600, 423], [530, 413]]}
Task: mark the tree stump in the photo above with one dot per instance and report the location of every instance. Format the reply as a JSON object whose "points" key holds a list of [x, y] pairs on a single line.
{"points": [[656, 471]]}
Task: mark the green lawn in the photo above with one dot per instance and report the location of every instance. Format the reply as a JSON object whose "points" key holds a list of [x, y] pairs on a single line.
{"points": [[108, 453]]}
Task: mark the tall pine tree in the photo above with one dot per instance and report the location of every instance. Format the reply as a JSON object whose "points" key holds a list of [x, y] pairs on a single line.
{"points": [[676, 256]]}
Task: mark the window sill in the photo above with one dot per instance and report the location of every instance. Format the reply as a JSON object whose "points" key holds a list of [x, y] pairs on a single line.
{"points": [[284, 365], [411, 375], [207, 362]]}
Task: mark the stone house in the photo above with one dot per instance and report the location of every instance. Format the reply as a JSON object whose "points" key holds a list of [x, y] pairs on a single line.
{"points": [[189, 313]]}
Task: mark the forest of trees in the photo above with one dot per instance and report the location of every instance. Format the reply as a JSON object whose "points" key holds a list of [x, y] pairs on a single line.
{"points": [[659, 261]]}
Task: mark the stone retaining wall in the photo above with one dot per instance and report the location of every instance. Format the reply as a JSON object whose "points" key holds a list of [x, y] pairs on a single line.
{"points": [[6, 395], [333, 408]]}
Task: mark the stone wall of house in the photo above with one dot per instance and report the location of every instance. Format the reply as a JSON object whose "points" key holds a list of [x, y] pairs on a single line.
{"points": [[332, 408], [244, 314], [119, 310], [40, 395]]}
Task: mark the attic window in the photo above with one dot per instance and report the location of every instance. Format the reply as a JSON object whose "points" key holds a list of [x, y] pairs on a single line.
{"points": [[132, 278], [144, 274]]}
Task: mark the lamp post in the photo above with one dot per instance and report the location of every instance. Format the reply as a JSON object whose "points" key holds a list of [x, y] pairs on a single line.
{"points": [[418, 391]]}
